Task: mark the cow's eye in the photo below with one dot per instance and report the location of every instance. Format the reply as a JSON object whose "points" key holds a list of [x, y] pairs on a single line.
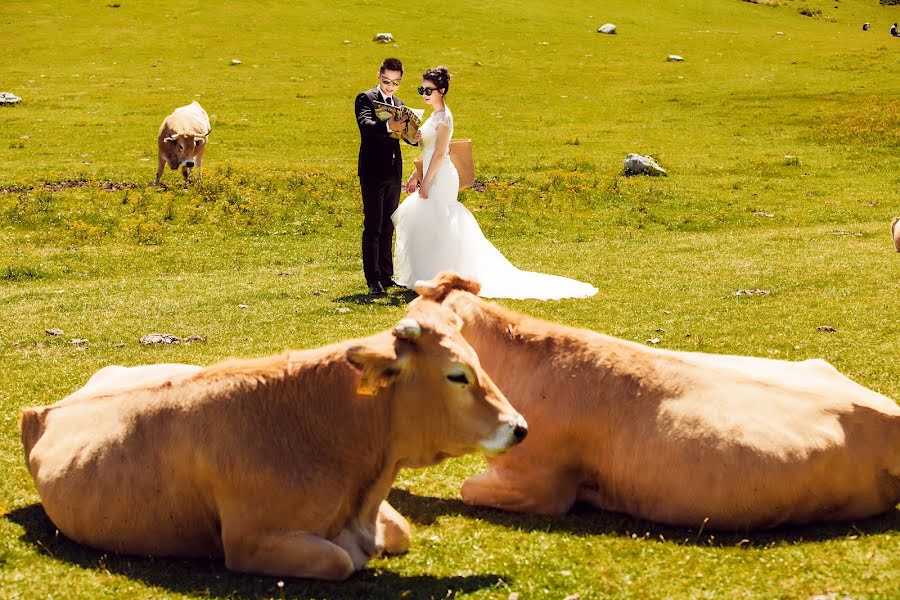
{"points": [[180, 147], [458, 377]]}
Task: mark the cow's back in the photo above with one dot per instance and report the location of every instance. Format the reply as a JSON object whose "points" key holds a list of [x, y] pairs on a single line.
{"points": [[752, 442], [115, 472], [187, 119]]}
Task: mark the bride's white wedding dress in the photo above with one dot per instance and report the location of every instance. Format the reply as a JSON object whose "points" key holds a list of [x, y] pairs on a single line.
{"points": [[438, 233]]}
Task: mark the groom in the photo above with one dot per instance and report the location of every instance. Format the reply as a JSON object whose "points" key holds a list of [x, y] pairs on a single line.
{"points": [[380, 168]]}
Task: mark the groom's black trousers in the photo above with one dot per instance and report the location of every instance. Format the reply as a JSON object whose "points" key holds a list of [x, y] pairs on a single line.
{"points": [[380, 199]]}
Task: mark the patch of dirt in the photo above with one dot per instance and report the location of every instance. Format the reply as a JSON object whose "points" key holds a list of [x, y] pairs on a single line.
{"points": [[68, 184]]}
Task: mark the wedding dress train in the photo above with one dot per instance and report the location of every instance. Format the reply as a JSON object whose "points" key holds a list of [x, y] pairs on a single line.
{"points": [[438, 233]]}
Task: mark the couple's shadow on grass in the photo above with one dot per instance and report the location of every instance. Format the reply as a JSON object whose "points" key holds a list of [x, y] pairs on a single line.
{"points": [[584, 520], [211, 578], [394, 297]]}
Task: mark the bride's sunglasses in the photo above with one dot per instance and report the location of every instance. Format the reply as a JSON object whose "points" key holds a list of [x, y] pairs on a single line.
{"points": [[425, 91]]}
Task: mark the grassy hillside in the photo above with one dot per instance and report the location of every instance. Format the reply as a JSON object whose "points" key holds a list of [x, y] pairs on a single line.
{"points": [[780, 132]]}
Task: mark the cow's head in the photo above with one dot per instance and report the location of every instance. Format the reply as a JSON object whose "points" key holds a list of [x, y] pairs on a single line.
{"points": [[443, 403], [183, 149]]}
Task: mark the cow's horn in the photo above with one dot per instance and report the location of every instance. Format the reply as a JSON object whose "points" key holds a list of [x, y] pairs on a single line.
{"points": [[408, 329]]}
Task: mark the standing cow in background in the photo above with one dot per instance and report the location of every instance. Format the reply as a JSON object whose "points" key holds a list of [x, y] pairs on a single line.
{"points": [[683, 438], [182, 140]]}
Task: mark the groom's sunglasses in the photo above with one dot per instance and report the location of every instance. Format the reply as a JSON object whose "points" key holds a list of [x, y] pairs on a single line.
{"points": [[393, 82], [425, 91]]}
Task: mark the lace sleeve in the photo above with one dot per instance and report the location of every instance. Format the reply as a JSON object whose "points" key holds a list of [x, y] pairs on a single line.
{"points": [[445, 118]]}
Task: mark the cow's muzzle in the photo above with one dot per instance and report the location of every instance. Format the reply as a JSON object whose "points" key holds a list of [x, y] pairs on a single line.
{"points": [[189, 164], [507, 435]]}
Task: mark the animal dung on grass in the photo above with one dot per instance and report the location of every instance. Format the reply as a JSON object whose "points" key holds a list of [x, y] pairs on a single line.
{"points": [[751, 293], [383, 38], [159, 338], [636, 164], [8, 98], [826, 328], [167, 338], [55, 332], [609, 28]]}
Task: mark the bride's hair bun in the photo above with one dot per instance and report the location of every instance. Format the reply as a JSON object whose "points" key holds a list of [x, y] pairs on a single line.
{"points": [[440, 77]]}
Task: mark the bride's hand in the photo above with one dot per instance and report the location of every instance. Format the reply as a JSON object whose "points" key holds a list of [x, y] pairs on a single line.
{"points": [[412, 183], [417, 137], [423, 190]]}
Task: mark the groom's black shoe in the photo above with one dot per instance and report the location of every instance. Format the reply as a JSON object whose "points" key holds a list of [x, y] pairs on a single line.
{"points": [[389, 283], [376, 290]]}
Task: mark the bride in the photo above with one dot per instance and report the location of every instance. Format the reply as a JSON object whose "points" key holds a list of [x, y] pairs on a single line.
{"points": [[436, 233]]}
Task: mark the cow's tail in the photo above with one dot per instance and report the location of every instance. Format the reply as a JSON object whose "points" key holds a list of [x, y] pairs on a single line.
{"points": [[31, 422]]}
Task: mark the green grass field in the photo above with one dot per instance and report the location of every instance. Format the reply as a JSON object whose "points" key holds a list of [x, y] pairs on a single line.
{"points": [[772, 112]]}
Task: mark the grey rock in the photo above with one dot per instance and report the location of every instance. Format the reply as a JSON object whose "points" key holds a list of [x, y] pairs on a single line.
{"points": [[159, 338], [235, 61], [8, 98], [79, 341], [383, 38], [608, 28], [55, 332], [636, 164], [674, 58], [751, 293]]}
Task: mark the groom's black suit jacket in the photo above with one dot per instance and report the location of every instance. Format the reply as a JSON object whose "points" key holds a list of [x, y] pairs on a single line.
{"points": [[379, 153]]}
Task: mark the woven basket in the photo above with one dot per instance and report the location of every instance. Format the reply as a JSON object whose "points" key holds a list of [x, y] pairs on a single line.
{"points": [[462, 159]]}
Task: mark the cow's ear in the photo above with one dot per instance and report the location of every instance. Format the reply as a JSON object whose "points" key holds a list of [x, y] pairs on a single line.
{"points": [[443, 283], [171, 140], [199, 141], [378, 368], [456, 321]]}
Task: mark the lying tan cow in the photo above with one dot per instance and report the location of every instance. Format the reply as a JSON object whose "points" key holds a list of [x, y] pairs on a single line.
{"points": [[675, 437], [279, 464], [182, 140]]}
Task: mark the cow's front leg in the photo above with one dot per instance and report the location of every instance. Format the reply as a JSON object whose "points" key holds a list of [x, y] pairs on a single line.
{"points": [[544, 493], [391, 530], [288, 554], [160, 168]]}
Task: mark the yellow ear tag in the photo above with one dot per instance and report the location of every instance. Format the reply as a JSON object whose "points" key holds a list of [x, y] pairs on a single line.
{"points": [[368, 383]]}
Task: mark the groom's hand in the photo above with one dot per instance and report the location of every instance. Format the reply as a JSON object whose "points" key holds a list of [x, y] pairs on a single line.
{"points": [[395, 125]]}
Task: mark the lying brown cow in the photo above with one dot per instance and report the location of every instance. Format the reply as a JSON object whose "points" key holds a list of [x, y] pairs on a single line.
{"points": [[675, 437], [280, 464], [182, 140]]}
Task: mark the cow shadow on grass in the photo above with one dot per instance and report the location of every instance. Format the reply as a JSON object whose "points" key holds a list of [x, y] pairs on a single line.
{"points": [[585, 520], [211, 578]]}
